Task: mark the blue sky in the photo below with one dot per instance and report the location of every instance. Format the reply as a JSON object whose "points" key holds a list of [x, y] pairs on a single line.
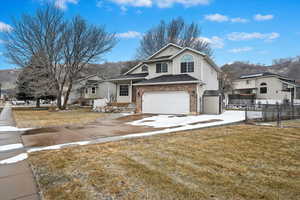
{"points": [[238, 30]]}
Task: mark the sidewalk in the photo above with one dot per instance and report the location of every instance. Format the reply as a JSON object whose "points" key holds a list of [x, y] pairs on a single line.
{"points": [[16, 179]]}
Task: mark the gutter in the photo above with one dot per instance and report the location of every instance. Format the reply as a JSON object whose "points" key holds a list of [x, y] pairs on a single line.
{"points": [[169, 83]]}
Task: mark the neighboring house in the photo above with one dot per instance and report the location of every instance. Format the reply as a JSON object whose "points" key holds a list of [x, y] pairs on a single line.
{"points": [[86, 90], [172, 81], [264, 88]]}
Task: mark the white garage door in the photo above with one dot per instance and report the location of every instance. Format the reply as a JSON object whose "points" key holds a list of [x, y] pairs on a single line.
{"points": [[177, 102]]}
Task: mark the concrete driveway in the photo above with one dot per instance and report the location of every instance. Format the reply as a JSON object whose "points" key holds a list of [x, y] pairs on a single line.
{"points": [[99, 129]]}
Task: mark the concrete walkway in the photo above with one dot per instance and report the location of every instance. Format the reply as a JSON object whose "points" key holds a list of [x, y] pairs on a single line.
{"points": [[16, 179]]}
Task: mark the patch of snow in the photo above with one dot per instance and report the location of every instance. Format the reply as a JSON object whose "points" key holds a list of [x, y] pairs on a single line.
{"points": [[168, 121], [14, 159], [58, 146], [127, 114], [11, 147], [12, 128]]}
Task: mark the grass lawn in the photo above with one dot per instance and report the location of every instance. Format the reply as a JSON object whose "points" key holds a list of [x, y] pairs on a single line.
{"points": [[232, 162], [29, 118]]}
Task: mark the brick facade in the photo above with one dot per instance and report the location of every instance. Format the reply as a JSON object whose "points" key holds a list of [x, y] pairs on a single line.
{"points": [[190, 88]]}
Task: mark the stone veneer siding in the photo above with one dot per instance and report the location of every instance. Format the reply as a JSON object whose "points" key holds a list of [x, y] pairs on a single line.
{"points": [[190, 88]]}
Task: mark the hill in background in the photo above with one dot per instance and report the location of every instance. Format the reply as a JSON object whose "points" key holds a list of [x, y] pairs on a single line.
{"points": [[289, 67]]}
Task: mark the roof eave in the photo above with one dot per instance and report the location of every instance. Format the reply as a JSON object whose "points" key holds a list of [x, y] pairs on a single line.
{"points": [[167, 83]]}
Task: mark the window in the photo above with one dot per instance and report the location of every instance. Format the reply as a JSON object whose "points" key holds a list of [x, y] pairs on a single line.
{"points": [[263, 88], [247, 82], [187, 63], [161, 67], [93, 90], [144, 68], [124, 90], [86, 90]]}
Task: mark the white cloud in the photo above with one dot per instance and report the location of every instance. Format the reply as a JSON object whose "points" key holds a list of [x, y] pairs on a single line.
{"points": [[186, 3], [216, 18], [239, 36], [215, 42], [260, 17], [5, 27], [62, 4], [238, 20], [129, 35], [223, 18], [240, 50], [161, 3], [135, 3]]}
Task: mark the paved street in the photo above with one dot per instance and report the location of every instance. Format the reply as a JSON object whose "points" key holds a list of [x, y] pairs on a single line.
{"points": [[16, 179]]}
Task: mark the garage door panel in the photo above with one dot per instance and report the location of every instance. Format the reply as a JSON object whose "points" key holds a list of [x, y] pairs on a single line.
{"points": [[176, 102]]}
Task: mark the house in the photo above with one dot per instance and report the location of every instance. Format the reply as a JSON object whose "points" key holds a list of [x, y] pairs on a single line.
{"points": [[86, 90], [172, 81], [264, 88]]}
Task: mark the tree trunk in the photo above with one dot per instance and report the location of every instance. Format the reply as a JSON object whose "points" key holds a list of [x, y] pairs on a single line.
{"points": [[38, 103], [66, 98], [58, 100]]}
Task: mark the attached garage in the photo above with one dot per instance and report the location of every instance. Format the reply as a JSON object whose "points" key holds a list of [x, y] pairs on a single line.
{"points": [[166, 102]]}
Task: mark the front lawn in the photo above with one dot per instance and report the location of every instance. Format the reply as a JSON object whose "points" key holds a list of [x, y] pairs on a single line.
{"points": [[232, 162], [29, 118]]}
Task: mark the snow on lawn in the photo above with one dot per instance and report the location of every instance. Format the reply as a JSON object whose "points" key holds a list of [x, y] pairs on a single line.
{"points": [[14, 159], [167, 121], [11, 147], [12, 128]]}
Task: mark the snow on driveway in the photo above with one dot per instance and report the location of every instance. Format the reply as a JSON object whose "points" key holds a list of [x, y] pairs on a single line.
{"points": [[12, 129], [188, 122]]}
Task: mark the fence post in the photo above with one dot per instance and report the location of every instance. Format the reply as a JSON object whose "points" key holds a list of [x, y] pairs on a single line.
{"points": [[246, 114], [278, 115]]}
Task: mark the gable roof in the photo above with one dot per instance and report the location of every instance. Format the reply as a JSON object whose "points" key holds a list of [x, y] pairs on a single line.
{"points": [[209, 60], [163, 48], [171, 57], [150, 57]]}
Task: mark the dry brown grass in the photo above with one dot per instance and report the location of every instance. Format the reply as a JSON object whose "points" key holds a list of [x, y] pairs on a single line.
{"points": [[233, 162], [45, 118]]}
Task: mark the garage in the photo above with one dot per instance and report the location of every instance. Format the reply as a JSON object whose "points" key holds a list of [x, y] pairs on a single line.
{"points": [[173, 102]]}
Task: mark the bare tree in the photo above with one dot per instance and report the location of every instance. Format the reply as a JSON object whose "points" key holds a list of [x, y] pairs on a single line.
{"points": [[63, 48], [177, 32]]}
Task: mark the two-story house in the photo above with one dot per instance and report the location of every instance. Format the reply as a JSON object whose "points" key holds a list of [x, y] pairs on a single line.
{"points": [[174, 80], [264, 88]]}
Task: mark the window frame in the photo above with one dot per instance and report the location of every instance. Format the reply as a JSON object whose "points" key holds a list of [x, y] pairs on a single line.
{"points": [[161, 66], [263, 88], [187, 66], [93, 90], [121, 94]]}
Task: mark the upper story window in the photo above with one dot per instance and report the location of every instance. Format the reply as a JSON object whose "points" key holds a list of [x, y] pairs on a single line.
{"points": [[124, 90], [187, 63], [263, 88], [161, 67], [144, 68], [93, 90]]}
